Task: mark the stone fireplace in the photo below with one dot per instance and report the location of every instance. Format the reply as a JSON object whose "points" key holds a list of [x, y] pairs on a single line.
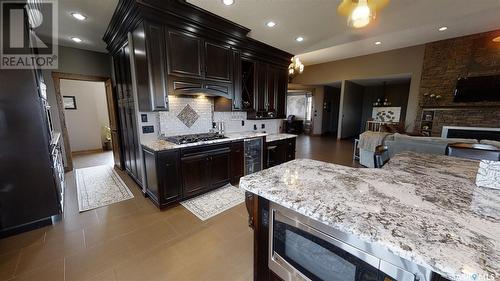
{"points": [[444, 62]]}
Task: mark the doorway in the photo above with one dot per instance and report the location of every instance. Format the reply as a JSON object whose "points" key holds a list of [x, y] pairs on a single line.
{"points": [[299, 107], [86, 107]]}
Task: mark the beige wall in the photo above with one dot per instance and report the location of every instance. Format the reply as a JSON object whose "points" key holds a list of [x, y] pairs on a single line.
{"points": [[386, 64]]}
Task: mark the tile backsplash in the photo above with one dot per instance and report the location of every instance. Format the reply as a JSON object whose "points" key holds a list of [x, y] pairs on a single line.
{"points": [[169, 123]]}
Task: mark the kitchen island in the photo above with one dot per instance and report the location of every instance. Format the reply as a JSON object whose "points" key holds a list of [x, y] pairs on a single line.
{"points": [[423, 209]]}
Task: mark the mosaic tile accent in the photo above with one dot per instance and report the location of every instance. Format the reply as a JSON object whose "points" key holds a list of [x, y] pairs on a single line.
{"points": [[188, 116]]}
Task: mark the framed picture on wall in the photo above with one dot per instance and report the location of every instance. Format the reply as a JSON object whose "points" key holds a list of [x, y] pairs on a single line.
{"points": [[69, 102]]}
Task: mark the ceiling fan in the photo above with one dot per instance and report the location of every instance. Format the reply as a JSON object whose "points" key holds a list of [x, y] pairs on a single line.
{"points": [[360, 12]]}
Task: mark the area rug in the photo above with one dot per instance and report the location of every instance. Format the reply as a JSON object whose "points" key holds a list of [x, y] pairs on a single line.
{"points": [[215, 202], [99, 186]]}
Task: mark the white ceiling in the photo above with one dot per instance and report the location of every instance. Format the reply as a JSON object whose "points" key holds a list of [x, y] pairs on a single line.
{"points": [[400, 24], [327, 37], [91, 30]]}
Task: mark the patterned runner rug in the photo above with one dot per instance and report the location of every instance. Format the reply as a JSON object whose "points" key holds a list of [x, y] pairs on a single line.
{"points": [[99, 186], [215, 202]]}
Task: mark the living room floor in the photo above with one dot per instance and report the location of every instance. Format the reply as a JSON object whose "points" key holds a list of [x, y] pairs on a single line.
{"points": [[327, 149]]}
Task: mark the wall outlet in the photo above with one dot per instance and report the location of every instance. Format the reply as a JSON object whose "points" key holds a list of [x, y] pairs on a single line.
{"points": [[255, 126], [242, 122], [263, 126], [148, 129], [144, 118]]}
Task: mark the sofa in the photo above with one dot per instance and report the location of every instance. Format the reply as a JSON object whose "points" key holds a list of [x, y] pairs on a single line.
{"points": [[398, 143]]}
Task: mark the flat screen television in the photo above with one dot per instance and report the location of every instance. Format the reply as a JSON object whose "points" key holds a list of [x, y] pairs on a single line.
{"points": [[477, 89]]}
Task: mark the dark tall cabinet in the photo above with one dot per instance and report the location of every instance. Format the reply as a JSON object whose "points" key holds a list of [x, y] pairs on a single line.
{"points": [[30, 183], [127, 114]]}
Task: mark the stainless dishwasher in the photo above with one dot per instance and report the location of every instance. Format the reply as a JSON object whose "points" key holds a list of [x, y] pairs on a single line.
{"points": [[253, 155]]}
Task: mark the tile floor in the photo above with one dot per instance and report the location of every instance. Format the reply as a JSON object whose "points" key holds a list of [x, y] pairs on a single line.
{"points": [[133, 240]]}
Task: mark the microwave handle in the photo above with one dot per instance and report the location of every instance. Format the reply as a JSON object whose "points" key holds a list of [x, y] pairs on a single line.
{"points": [[396, 272]]}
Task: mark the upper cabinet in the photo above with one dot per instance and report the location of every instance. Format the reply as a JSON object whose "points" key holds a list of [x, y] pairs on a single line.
{"points": [[218, 62], [184, 54], [179, 49]]}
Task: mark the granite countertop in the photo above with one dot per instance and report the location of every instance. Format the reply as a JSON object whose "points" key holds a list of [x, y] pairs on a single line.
{"points": [[159, 145], [276, 137], [423, 208]]}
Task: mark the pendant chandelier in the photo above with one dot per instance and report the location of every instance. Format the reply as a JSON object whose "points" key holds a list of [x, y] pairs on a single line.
{"points": [[295, 68]]}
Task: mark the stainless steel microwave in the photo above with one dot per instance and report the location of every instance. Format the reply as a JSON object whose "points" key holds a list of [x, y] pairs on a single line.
{"points": [[304, 249]]}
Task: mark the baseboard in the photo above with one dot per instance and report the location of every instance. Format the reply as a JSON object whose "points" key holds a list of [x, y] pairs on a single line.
{"points": [[89, 151]]}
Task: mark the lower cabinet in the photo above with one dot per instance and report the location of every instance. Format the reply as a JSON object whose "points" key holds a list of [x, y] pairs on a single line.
{"points": [[178, 174], [237, 161], [280, 151], [204, 168], [162, 176]]}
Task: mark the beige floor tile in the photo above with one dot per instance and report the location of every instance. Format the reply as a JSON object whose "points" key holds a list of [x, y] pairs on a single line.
{"points": [[185, 222], [107, 231], [22, 240], [53, 271], [93, 261], [108, 275], [52, 249], [8, 263], [149, 237]]}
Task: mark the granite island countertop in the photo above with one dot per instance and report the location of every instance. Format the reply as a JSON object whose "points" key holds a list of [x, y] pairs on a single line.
{"points": [[160, 145], [433, 215]]}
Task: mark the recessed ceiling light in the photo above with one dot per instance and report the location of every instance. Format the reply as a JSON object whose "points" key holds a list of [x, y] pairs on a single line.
{"points": [[76, 39], [79, 16], [442, 28], [496, 39], [228, 2], [271, 24], [299, 39], [378, 43]]}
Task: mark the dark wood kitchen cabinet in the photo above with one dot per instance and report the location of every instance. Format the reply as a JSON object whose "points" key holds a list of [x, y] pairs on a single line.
{"points": [[237, 161], [184, 54], [205, 168], [150, 67], [163, 184], [218, 62], [280, 151], [127, 114]]}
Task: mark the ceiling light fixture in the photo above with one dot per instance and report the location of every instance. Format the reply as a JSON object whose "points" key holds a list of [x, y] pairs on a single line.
{"points": [[378, 43], [442, 28], [360, 12], [496, 39], [79, 16], [76, 39], [228, 2], [295, 68], [299, 39], [271, 24]]}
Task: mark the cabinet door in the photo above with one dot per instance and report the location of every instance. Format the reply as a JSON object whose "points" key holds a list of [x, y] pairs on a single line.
{"points": [[271, 91], [220, 164], [281, 92], [290, 149], [261, 87], [218, 62], [156, 66], [237, 81], [237, 161], [184, 54], [168, 168], [249, 84], [195, 174], [276, 153]]}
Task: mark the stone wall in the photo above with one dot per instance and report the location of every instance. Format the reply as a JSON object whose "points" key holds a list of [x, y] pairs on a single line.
{"points": [[447, 60]]}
